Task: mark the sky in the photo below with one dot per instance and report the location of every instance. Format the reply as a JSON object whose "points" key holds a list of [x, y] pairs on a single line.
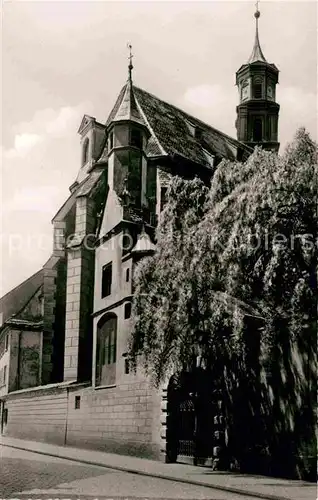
{"points": [[61, 59]]}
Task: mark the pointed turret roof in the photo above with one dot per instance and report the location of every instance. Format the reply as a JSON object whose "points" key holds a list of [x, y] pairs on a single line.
{"points": [[128, 108], [257, 54]]}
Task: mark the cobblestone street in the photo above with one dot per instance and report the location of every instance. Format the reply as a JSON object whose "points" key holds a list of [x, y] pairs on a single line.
{"points": [[25, 475]]}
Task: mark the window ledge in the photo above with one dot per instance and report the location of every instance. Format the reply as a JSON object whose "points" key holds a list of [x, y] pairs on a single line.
{"points": [[97, 387]]}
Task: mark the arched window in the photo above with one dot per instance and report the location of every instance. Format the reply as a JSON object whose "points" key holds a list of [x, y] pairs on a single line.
{"points": [[257, 129], [106, 350], [85, 151], [257, 88]]}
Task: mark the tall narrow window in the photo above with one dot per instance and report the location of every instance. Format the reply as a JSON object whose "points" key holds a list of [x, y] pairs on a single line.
{"points": [[6, 342], [106, 350], [127, 310], [111, 140], [257, 130], [134, 177], [127, 275], [163, 198], [85, 151], [106, 280], [269, 128], [5, 375]]}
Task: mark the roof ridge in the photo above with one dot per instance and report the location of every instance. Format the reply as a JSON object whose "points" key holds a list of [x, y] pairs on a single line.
{"points": [[195, 118], [150, 128]]}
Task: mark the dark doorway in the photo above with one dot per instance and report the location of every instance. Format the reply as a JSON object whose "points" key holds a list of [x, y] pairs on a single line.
{"points": [[190, 418]]}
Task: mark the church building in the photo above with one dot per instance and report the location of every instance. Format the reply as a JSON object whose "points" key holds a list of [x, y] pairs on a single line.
{"points": [[64, 374]]}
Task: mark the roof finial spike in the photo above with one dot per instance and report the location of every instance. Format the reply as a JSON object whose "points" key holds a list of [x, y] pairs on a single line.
{"points": [[257, 54], [130, 66]]}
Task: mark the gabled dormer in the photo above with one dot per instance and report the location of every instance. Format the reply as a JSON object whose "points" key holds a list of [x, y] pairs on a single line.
{"points": [[92, 140]]}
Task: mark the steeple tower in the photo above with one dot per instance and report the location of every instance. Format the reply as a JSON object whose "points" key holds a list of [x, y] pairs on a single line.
{"points": [[257, 112]]}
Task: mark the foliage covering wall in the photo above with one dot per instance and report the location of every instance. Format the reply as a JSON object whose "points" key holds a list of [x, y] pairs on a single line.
{"points": [[234, 281]]}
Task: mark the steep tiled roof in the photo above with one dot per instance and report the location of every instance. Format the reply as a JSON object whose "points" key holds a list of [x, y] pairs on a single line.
{"points": [[175, 132], [13, 301], [172, 127], [89, 183]]}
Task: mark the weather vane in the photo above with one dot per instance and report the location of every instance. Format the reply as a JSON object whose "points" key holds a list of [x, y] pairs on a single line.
{"points": [[130, 67]]}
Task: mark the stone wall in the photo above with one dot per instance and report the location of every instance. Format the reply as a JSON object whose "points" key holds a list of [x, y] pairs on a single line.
{"points": [[38, 416], [123, 419]]}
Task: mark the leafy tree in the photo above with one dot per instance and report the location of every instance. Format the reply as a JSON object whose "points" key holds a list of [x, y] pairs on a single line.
{"points": [[234, 279]]}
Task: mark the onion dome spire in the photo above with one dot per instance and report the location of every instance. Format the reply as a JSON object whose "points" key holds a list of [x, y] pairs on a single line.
{"points": [[257, 54]]}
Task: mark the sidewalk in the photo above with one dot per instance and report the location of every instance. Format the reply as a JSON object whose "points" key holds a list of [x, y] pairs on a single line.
{"points": [[254, 486]]}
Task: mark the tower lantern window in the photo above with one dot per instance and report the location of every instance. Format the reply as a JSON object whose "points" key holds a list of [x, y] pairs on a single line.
{"points": [[257, 89], [135, 138]]}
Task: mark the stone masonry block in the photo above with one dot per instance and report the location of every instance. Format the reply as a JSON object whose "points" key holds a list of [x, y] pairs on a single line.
{"points": [[77, 288], [67, 361], [74, 262], [71, 315], [74, 341], [71, 351], [73, 297], [68, 323], [74, 280], [71, 332], [68, 342]]}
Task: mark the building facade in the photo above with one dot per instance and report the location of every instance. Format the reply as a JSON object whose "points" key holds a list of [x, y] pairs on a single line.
{"points": [[67, 379]]}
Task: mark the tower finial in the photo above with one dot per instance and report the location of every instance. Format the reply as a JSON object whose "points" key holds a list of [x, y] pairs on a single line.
{"points": [[257, 54], [257, 13], [130, 66]]}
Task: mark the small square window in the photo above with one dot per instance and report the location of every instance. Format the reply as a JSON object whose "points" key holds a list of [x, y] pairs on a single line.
{"points": [[77, 402], [106, 280], [127, 310]]}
